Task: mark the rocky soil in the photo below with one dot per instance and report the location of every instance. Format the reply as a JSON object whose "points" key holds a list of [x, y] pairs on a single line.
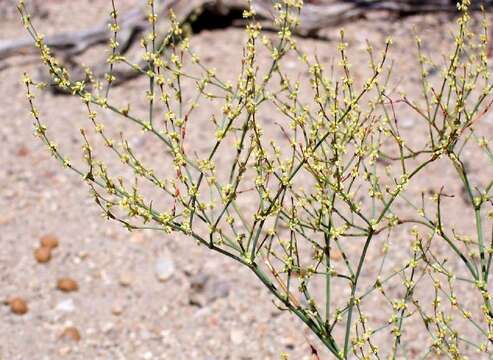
{"points": [[139, 295]]}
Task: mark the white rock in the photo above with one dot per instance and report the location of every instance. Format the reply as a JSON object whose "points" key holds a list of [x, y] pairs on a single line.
{"points": [[145, 334], [236, 336], [107, 327], [64, 351], [202, 312], [291, 64], [66, 305], [147, 355], [164, 268], [164, 310], [407, 123]]}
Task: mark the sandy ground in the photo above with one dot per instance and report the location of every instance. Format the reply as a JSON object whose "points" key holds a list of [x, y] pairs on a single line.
{"points": [[208, 308]]}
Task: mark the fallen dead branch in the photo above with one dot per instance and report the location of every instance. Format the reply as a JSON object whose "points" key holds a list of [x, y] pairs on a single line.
{"points": [[316, 15]]}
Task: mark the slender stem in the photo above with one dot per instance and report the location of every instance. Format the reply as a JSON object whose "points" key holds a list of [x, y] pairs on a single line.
{"points": [[353, 292]]}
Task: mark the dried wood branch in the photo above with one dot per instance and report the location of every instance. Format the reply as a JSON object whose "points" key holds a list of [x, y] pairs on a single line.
{"points": [[315, 15]]}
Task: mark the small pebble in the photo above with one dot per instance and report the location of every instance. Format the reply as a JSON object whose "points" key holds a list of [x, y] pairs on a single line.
{"points": [[107, 327], [206, 289], [50, 241], [125, 280], [237, 337], [117, 309], [22, 151], [147, 355], [64, 351], [137, 237], [67, 285], [407, 123], [42, 254], [165, 269], [335, 255], [5, 219], [71, 333], [164, 310], [18, 306], [66, 306]]}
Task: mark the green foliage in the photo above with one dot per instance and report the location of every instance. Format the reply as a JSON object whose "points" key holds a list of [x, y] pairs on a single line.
{"points": [[291, 207]]}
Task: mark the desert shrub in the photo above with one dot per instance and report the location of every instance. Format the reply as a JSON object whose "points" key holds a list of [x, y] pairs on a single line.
{"points": [[326, 207]]}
